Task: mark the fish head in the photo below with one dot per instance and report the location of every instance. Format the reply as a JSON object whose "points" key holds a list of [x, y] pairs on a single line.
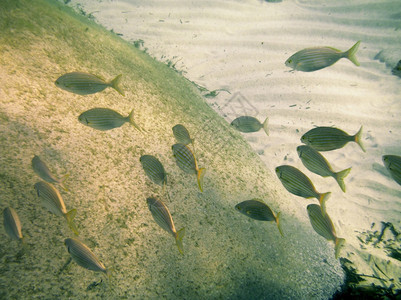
{"points": [[299, 150], [290, 63], [239, 207], [278, 172], [82, 119], [305, 139], [385, 159]]}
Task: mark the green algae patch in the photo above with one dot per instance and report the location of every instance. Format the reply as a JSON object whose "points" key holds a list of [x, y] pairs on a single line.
{"points": [[225, 254]]}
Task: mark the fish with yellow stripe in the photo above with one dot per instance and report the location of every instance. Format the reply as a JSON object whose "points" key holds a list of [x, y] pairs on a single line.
{"points": [[316, 163], [323, 225], [316, 58], [85, 84], [250, 124], [42, 170], [52, 200], [299, 184], [330, 138], [105, 119], [84, 256], [12, 224], [258, 210], [186, 161], [162, 217]]}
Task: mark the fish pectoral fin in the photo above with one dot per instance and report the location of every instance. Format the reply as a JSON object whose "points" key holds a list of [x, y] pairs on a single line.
{"points": [[178, 239]]}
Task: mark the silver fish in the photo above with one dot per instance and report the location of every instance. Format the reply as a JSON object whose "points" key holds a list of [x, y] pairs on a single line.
{"points": [[393, 165], [250, 124], [323, 225], [154, 169], [163, 218], [258, 210], [12, 224], [105, 119], [52, 200], [313, 59], [299, 184], [316, 163], [186, 161], [84, 256], [330, 138], [41, 169], [85, 84]]}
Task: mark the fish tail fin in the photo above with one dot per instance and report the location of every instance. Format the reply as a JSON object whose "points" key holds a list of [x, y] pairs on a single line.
{"points": [[115, 84], [178, 239], [266, 126], [62, 182], [322, 200], [339, 243], [358, 139], [350, 54], [132, 121], [279, 224], [200, 174], [70, 220], [340, 178]]}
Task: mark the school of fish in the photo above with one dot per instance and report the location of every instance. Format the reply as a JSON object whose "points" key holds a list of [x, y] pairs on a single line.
{"points": [[294, 181]]}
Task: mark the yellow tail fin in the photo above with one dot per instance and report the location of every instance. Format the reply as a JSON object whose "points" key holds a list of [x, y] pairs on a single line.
{"points": [[70, 220], [279, 224], [339, 243], [266, 126], [115, 84], [350, 54], [322, 200], [358, 139], [201, 173], [178, 239], [340, 178], [132, 121]]}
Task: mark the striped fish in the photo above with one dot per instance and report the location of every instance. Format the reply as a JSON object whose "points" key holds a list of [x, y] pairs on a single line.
{"points": [[393, 165], [330, 138], [313, 59], [250, 124], [105, 119], [323, 225], [163, 218], [41, 169], [186, 161], [299, 184], [316, 163], [85, 84], [154, 169], [52, 200], [12, 224], [181, 135], [83, 256], [258, 210]]}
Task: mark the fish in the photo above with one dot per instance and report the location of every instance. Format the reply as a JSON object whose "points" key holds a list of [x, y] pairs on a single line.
{"points": [[154, 169], [186, 161], [12, 224], [299, 184], [84, 256], [330, 138], [163, 218], [316, 58], [85, 84], [258, 210], [250, 124], [316, 163], [323, 225], [105, 119], [181, 135], [393, 165], [41, 169], [52, 200]]}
